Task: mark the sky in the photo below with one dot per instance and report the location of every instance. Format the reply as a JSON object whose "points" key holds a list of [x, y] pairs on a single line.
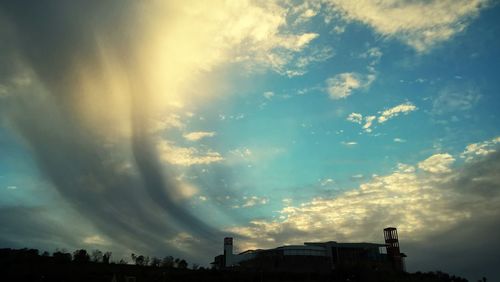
{"points": [[160, 127]]}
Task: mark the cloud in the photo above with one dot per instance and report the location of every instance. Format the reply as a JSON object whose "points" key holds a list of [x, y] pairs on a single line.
{"points": [[184, 240], [252, 155], [480, 149], [419, 206], [384, 116], [399, 140], [368, 123], [168, 121], [94, 240], [438, 163], [268, 95], [186, 156], [197, 135], [104, 86], [355, 117], [349, 143], [254, 200], [395, 111], [421, 25], [341, 85], [326, 182], [454, 99]]}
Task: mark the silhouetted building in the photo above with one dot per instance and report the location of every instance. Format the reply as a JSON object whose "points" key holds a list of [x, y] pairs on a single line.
{"points": [[393, 253], [317, 256]]}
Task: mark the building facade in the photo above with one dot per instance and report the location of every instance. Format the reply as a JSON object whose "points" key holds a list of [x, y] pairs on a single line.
{"points": [[318, 256]]}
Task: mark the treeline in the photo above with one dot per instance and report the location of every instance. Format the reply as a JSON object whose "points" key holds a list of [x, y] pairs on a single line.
{"points": [[95, 256], [96, 266]]}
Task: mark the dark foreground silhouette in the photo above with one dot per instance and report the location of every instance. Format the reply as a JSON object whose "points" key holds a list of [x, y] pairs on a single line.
{"points": [[29, 265]]}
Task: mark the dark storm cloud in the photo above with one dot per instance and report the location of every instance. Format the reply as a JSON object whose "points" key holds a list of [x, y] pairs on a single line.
{"points": [[470, 250], [134, 207]]}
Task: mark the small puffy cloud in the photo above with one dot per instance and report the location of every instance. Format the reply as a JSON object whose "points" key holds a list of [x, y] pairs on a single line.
{"points": [[438, 163], [368, 123], [338, 29], [341, 85], [186, 156], [268, 95], [419, 24], [355, 117], [399, 140], [480, 149], [395, 111], [197, 135]]}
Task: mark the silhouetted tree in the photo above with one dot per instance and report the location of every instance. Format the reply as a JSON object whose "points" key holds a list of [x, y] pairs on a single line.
{"points": [[45, 254], [96, 256], [182, 264], [176, 262], [167, 262], [140, 259], [61, 257], [81, 256], [106, 257], [155, 262]]}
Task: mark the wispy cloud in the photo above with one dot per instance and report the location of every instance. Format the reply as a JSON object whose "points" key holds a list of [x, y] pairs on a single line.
{"points": [[455, 99], [421, 25], [384, 116], [197, 135], [186, 156], [341, 85], [349, 143], [395, 111]]}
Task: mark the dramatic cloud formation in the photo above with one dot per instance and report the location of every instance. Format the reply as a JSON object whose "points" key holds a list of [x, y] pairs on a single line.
{"points": [[422, 207], [160, 127]]}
